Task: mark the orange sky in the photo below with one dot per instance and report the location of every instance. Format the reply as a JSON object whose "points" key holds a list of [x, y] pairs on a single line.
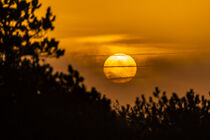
{"points": [[171, 38]]}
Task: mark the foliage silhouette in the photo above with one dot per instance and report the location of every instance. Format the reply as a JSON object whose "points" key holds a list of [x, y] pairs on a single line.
{"points": [[22, 33], [37, 103], [168, 118]]}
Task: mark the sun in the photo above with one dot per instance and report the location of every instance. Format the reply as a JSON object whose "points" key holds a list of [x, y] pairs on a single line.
{"points": [[120, 68]]}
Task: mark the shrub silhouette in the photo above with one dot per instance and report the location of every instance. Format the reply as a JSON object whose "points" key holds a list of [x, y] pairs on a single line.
{"points": [[37, 103], [168, 118]]}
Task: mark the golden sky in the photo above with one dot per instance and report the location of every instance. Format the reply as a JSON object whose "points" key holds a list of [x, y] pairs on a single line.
{"points": [[162, 20], [169, 37]]}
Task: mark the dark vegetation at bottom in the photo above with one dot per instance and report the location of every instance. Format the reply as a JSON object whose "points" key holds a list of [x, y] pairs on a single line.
{"points": [[36, 103]]}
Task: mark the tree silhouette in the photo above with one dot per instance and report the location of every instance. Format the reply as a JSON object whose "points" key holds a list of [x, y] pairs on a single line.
{"points": [[22, 33], [36, 102]]}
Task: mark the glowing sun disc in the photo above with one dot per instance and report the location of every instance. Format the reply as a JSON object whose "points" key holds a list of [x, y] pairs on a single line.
{"points": [[120, 68]]}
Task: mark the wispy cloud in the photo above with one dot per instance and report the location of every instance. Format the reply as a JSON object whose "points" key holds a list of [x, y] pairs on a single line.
{"points": [[102, 55], [118, 39]]}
